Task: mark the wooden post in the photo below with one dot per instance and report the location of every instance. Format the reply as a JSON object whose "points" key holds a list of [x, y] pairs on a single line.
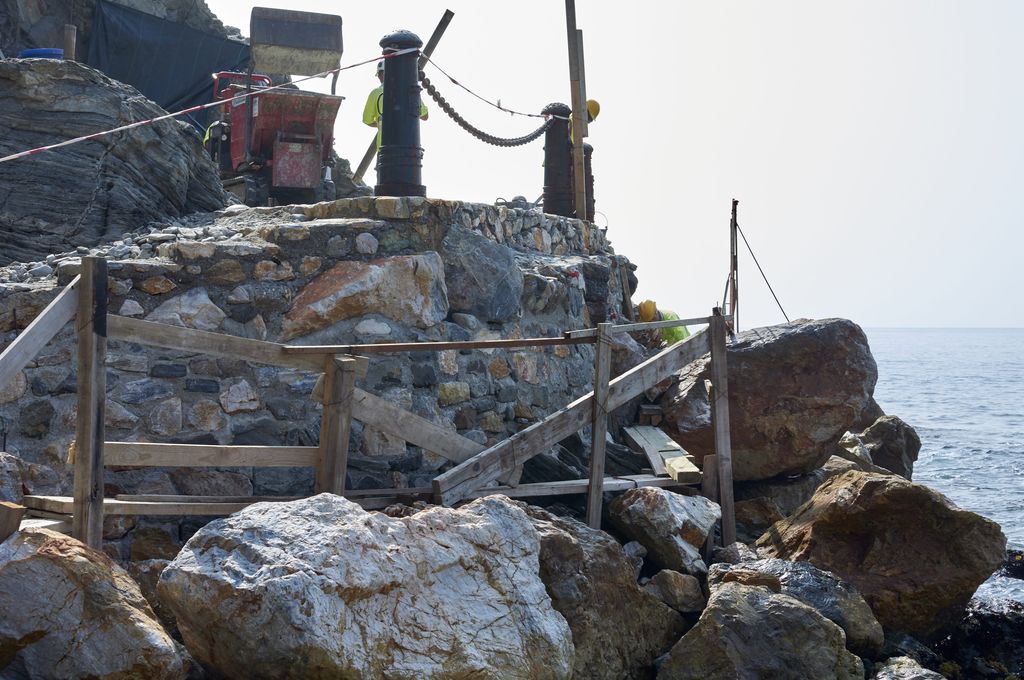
{"points": [[734, 270], [599, 423], [720, 423], [709, 489], [579, 107], [10, 519], [91, 324], [627, 299], [70, 42], [335, 424], [435, 37]]}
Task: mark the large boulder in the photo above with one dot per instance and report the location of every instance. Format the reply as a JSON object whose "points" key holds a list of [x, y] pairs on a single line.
{"points": [[892, 444], [990, 636], [71, 612], [794, 390], [482, 276], [320, 588], [829, 596], [618, 629], [789, 493], [671, 526], [749, 632], [915, 556], [407, 288], [92, 191], [903, 668]]}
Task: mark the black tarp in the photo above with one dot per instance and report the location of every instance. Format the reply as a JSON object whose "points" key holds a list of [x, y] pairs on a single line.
{"points": [[168, 62]]}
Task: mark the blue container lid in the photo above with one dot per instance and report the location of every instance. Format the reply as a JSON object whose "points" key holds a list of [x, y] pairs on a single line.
{"points": [[42, 53]]}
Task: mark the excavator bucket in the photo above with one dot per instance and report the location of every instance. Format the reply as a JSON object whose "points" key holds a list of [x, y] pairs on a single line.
{"points": [[294, 43]]}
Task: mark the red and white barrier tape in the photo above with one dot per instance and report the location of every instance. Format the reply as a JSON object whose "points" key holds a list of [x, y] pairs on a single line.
{"points": [[254, 93]]}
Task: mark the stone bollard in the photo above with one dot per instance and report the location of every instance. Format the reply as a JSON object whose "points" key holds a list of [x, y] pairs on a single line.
{"points": [[588, 175], [558, 198], [400, 164]]}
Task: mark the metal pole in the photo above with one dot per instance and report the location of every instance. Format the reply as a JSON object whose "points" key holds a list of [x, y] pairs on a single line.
{"points": [[734, 270], [579, 105]]}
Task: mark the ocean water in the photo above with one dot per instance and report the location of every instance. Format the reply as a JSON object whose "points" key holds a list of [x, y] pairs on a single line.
{"points": [[963, 391]]}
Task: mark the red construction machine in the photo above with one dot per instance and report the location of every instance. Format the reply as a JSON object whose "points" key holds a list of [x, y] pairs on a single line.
{"points": [[277, 144]]}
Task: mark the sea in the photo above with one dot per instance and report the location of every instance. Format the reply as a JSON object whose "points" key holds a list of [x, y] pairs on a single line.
{"points": [[963, 391]]}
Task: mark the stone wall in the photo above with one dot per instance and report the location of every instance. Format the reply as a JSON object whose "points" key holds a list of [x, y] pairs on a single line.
{"points": [[353, 271]]}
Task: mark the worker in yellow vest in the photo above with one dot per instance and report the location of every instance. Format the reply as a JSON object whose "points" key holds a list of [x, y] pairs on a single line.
{"points": [[649, 312], [375, 100]]}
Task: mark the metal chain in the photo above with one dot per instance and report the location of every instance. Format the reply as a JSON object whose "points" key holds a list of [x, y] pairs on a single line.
{"points": [[480, 134]]}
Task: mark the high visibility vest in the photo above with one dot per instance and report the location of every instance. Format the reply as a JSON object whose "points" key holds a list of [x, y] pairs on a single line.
{"points": [[373, 109]]}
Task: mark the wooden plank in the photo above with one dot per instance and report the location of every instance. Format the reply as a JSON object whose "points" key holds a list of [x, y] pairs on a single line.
{"points": [[213, 344], [335, 425], [371, 410], [61, 526], [171, 498], [91, 324], [655, 444], [709, 489], [642, 326], [720, 423], [579, 104], [383, 348], [47, 324], [144, 454], [504, 456], [599, 423], [682, 470], [11, 515]]}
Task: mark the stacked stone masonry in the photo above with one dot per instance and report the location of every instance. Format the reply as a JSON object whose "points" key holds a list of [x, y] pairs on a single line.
{"points": [[354, 271]]}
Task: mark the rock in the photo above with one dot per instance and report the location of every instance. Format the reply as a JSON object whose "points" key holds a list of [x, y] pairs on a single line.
{"points": [[144, 391], [754, 516], [682, 592], [366, 243], [14, 389], [372, 327], [151, 543], [147, 573], [268, 270], [322, 588], [794, 390], [751, 632], [789, 493], [893, 445], [1014, 565], [449, 393], [830, 597], [989, 636], [635, 553], [78, 615], [903, 668], [209, 482], [131, 308], [91, 191], [734, 553], [207, 416], [34, 418], [409, 289], [672, 527], [915, 556], [239, 396], [157, 285], [224, 273], [191, 309], [617, 628], [482, 276], [165, 418]]}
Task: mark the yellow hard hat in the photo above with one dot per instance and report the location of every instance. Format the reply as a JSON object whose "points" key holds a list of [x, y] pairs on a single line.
{"points": [[593, 108], [647, 310]]}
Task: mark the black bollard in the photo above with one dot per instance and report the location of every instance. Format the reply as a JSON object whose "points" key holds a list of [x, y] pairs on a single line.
{"points": [[400, 159], [558, 197], [588, 175]]}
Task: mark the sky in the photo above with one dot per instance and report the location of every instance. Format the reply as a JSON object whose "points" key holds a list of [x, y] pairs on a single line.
{"points": [[876, 147]]}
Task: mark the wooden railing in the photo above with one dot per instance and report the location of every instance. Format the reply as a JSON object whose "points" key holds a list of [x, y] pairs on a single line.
{"points": [[477, 468]]}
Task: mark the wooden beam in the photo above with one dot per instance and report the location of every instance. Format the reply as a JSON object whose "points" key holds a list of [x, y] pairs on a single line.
{"points": [[335, 425], [653, 443], [91, 324], [579, 105], [720, 423], [371, 410], [642, 326], [10, 518], [599, 423], [47, 324], [682, 469], [380, 348], [144, 454], [215, 344], [504, 456]]}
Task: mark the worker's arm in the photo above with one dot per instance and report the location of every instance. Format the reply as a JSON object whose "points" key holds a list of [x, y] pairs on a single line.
{"points": [[371, 111], [423, 111]]}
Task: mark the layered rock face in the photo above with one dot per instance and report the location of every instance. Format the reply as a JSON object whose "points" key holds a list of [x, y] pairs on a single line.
{"points": [[794, 389], [751, 632], [617, 628], [915, 557], [320, 588], [96, 190], [70, 612]]}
